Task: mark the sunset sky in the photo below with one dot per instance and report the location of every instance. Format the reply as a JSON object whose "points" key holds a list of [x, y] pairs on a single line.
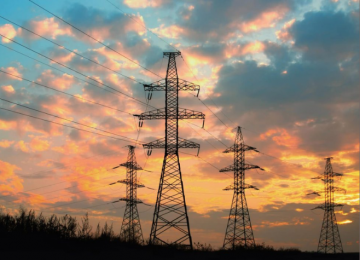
{"points": [[287, 71]]}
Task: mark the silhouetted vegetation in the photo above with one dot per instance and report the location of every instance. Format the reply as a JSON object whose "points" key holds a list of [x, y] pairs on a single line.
{"points": [[69, 238]]}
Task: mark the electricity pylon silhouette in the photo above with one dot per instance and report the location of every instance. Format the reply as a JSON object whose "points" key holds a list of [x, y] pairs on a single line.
{"points": [[329, 241], [131, 228], [239, 231], [170, 220]]}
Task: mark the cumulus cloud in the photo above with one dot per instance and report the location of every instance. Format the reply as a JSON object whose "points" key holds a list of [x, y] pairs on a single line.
{"points": [[145, 3], [11, 70], [9, 89], [9, 181], [9, 32], [49, 78], [48, 27]]}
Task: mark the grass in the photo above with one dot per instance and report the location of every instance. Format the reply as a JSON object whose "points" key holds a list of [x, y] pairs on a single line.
{"points": [[27, 234]]}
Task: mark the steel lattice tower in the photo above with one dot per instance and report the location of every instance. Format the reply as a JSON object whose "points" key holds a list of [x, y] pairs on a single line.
{"points": [[239, 231], [329, 241], [131, 228], [170, 220]]}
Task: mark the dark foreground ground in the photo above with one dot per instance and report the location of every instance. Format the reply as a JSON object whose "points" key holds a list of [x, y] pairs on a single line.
{"points": [[27, 236], [21, 249]]}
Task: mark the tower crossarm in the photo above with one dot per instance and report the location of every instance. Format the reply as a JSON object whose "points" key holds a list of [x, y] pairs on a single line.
{"points": [[135, 184], [336, 174], [161, 144], [161, 114], [317, 177], [246, 186], [314, 193], [137, 201], [332, 188], [131, 165], [160, 85], [328, 206], [232, 168], [232, 149]]}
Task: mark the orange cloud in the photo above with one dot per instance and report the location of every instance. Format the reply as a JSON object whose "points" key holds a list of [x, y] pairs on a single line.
{"points": [[11, 70], [281, 137], [9, 181], [275, 224], [8, 31], [64, 81], [266, 19], [8, 89], [49, 27], [344, 222], [143, 3], [21, 145], [172, 31], [253, 47], [39, 145], [6, 143], [284, 34]]}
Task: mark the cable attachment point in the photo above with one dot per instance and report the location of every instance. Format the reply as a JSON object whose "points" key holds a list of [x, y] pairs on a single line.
{"points": [[149, 95], [149, 152], [141, 122]]}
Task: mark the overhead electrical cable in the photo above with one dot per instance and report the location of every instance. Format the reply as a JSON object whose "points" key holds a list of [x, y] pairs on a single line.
{"points": [[133, 17], [119, 93], [60, 91], [103, 44], [49, 121], [76, 53], [66, 119]]}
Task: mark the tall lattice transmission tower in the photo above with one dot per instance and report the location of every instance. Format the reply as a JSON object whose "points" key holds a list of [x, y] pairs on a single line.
{"points": [[239, 231], [329, 241], [170, 221], [131, 228]]}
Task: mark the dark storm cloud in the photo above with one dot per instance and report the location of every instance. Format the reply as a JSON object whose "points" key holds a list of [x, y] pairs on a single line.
{"points": [[89, 18], [327, 36], [313, 87], [214, 19]]}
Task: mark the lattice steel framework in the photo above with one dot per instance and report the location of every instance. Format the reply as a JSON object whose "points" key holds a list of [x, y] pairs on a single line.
{"points": [[131, 228], [170, 221], [239, 231], [329, 241]]}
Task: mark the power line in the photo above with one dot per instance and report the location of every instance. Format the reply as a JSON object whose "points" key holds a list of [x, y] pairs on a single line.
{"points": [[57, 183], [49, 121], [55, 197], [99, 82], [76, 53], [212, 112], [147, 104], [66, 119], [95, 61], [110, 69], [63, 92], [133, 17], [103, 44]]}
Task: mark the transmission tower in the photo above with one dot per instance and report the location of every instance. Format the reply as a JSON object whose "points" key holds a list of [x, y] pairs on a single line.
{"points": [[170, 220], [239, 231], [329, 241], [131, 228]]}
